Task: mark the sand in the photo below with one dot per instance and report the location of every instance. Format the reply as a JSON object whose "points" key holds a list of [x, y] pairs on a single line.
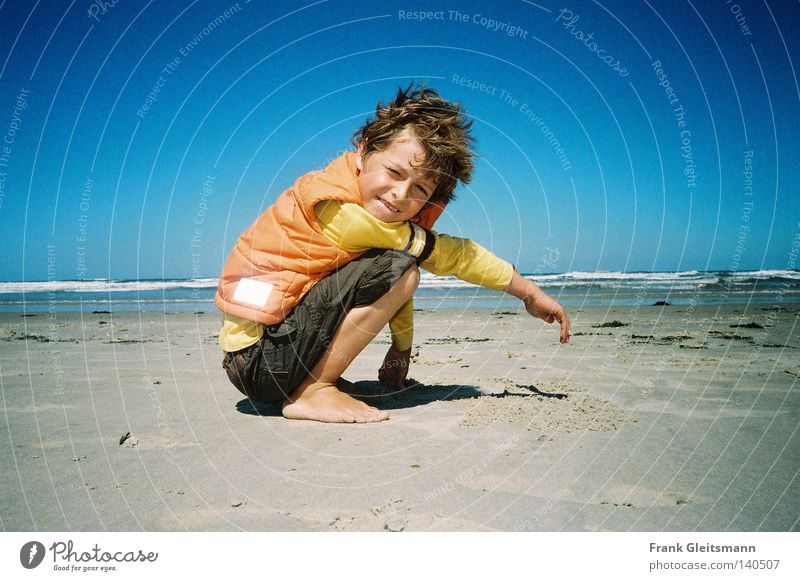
{"points": [[654, 418]]}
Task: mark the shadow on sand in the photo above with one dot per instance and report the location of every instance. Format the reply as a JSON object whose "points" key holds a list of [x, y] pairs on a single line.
{"points": [[413, 394]]}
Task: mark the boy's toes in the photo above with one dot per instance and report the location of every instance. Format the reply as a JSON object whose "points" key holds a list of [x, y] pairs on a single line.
{"points": [[365, 414], [370, 414], [377, 415]]}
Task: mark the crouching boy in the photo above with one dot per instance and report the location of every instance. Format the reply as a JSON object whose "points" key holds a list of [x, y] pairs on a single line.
{"points": [[315, 278]]}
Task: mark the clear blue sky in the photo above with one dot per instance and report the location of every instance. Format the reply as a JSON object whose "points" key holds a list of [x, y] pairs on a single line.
{"points": [[582, 163]]}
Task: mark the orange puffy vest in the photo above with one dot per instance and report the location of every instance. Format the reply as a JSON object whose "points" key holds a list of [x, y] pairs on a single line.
{"points": [[284, 253]]}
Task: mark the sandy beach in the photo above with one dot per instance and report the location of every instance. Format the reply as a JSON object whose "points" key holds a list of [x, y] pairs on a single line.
{"points": [[654, 418]]}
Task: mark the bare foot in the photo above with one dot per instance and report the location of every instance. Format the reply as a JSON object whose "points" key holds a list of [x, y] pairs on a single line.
{"points": [[323, 402]]}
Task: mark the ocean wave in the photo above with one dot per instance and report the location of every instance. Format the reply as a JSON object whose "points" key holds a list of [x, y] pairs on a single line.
{"points": [[682, 280], [764, 274], [117, 301], [104, 286], [623, 280], [605, 275], [631, 283]]}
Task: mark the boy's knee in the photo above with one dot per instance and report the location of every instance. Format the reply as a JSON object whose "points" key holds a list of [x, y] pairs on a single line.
{"points": [[394, 265], [387, 271], [413, 276], [408, 283]]}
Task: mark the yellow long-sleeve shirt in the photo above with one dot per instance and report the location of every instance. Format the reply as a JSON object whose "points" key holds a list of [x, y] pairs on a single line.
{"points": [[353, 229]]}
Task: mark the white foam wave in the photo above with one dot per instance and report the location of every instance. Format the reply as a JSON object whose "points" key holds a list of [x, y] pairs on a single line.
{"points": [[428, 280], [590, 279], [601, 275], [104, 286], [690, 279], [762, 274]]}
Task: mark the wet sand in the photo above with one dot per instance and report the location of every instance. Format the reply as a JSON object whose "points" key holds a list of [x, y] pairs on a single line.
{"points": [[653, 418]]}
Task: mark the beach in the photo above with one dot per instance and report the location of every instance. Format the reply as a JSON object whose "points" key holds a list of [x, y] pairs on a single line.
{"points": [[653, 418]]}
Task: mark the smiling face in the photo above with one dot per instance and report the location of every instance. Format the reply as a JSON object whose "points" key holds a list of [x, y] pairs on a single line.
{"points": [[392, 182]]}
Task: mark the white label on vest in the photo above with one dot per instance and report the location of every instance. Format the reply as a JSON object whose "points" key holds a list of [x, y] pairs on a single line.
{"points": [[252, 292]]}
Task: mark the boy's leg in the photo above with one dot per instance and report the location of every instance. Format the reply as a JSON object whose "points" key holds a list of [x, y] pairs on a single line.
{"points": [[317, 397]]}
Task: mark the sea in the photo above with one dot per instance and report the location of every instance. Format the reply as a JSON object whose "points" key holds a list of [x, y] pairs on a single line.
{"points": [[572, 289]]}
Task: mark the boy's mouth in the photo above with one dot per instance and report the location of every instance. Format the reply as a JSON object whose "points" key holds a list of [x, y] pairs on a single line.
{"points": [[390, 207]]}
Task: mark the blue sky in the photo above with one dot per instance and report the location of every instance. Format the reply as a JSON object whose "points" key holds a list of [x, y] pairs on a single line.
{"points": [[583, 164]]}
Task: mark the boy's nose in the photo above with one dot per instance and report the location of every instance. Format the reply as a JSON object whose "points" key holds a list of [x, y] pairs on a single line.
{"points": [[401, 191]]}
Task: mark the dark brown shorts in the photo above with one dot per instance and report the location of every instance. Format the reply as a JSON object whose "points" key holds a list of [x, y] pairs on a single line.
{"points": [[273, 367]]}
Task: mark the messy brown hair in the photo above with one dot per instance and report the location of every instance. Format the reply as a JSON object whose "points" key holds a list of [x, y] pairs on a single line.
{"points": [[441, 127]]}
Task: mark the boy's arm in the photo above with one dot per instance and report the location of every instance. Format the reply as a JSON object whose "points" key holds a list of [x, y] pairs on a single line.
{"points": [[402, 327], [471, 262], [468, 261], [353, 229]]}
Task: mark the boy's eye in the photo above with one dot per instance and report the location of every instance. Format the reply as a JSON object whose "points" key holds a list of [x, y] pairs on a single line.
{"points": [[396, 172]]}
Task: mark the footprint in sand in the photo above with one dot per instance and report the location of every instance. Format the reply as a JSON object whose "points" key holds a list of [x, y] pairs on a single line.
{"points": [[394, 514]]}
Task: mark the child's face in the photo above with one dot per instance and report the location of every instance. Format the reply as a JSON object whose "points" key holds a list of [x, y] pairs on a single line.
{"points": [[392, 183]]}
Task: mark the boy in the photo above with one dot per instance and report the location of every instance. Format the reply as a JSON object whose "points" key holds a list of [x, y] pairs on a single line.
{"points": [[336, 258]]}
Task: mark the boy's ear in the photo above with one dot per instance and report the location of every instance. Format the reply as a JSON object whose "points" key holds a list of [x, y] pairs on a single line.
{"points": [[360, 157]]}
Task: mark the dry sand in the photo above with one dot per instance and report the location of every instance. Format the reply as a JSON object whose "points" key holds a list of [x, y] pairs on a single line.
{"points": [[675, 419]]}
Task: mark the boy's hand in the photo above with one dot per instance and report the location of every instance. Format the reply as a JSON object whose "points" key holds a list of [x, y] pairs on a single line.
{"points": [[538, 303], [395, 367], [543, 306]]}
